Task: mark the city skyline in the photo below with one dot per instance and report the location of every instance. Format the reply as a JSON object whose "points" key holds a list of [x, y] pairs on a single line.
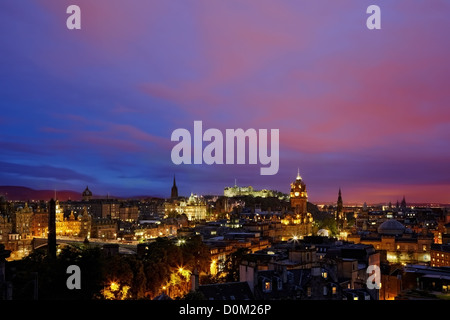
{"points": [[361, 110], [23, 193]]}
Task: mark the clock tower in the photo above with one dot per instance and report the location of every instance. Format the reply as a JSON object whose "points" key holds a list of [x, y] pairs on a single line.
{"points": [[299, 197]]}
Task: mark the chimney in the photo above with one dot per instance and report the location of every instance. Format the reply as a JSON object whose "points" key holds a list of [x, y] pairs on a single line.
{"points": [[284, 274], [194, 280]]}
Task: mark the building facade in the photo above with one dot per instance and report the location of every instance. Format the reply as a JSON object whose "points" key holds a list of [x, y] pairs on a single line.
{"points": [[297, 222]]}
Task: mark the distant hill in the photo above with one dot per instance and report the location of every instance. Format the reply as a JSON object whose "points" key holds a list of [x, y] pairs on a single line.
{"points": [[15, 193]]}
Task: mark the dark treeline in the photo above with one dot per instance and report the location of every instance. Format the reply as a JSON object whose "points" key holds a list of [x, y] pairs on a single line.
{"points": [[164, 265]]}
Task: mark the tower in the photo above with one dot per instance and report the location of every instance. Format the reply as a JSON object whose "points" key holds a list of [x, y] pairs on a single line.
{"points": [[403, 204], [51, 240], [340, 206], [340, 218], [174, 193], [299, 196], [87, 194]]}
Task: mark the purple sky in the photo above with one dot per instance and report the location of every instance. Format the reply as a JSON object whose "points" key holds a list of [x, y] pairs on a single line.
{"points": [[363, 110]]}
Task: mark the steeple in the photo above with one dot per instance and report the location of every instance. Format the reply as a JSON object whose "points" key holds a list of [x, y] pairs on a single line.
{"points": [[340, 205], [174, 193], [86, 195], [340, 217], [403, 204], [298, 174]]}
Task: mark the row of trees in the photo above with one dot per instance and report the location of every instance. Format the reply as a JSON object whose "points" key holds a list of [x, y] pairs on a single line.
{"points": [[165, 268]]}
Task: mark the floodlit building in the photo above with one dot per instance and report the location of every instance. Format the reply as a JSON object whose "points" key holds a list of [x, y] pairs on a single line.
{"points": [[400, 244]]}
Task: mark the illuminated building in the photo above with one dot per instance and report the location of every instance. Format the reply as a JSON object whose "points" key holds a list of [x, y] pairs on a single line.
{"points": [[391, 283], [128, 213], [105, 208], [237, 191], [15, 232], [297, 223], [154, 230], [5, 228], [39, 224], [440, 255], [104, 228], [194, 207], [401, 245], [59, 219], [85, 224], [72, 226], [299, 197], [22, 222]]}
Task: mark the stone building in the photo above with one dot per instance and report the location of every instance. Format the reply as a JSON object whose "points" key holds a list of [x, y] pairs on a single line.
{"points": [[400, 244], [297, 222]]}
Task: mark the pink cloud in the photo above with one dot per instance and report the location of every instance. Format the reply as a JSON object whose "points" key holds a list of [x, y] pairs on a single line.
{"points": [[108, 134]]}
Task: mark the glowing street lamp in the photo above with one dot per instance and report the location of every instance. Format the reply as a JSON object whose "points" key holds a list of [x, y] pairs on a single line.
{"points": [[114, 286]]}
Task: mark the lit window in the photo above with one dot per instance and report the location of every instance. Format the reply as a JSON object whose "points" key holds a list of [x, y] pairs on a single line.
{"points": [[267, 286], [324, 274], [308, 291], [333, 290]]}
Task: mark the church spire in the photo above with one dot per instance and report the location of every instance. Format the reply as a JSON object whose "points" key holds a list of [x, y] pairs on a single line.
{"points": [[298, 174], [174, 193], [340, 217]]}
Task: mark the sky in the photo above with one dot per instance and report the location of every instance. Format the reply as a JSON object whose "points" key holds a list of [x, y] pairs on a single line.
{"points": [[367, 111]]}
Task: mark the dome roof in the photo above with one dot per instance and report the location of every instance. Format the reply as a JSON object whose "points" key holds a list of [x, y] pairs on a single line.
{"points": [[391, 226]]}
